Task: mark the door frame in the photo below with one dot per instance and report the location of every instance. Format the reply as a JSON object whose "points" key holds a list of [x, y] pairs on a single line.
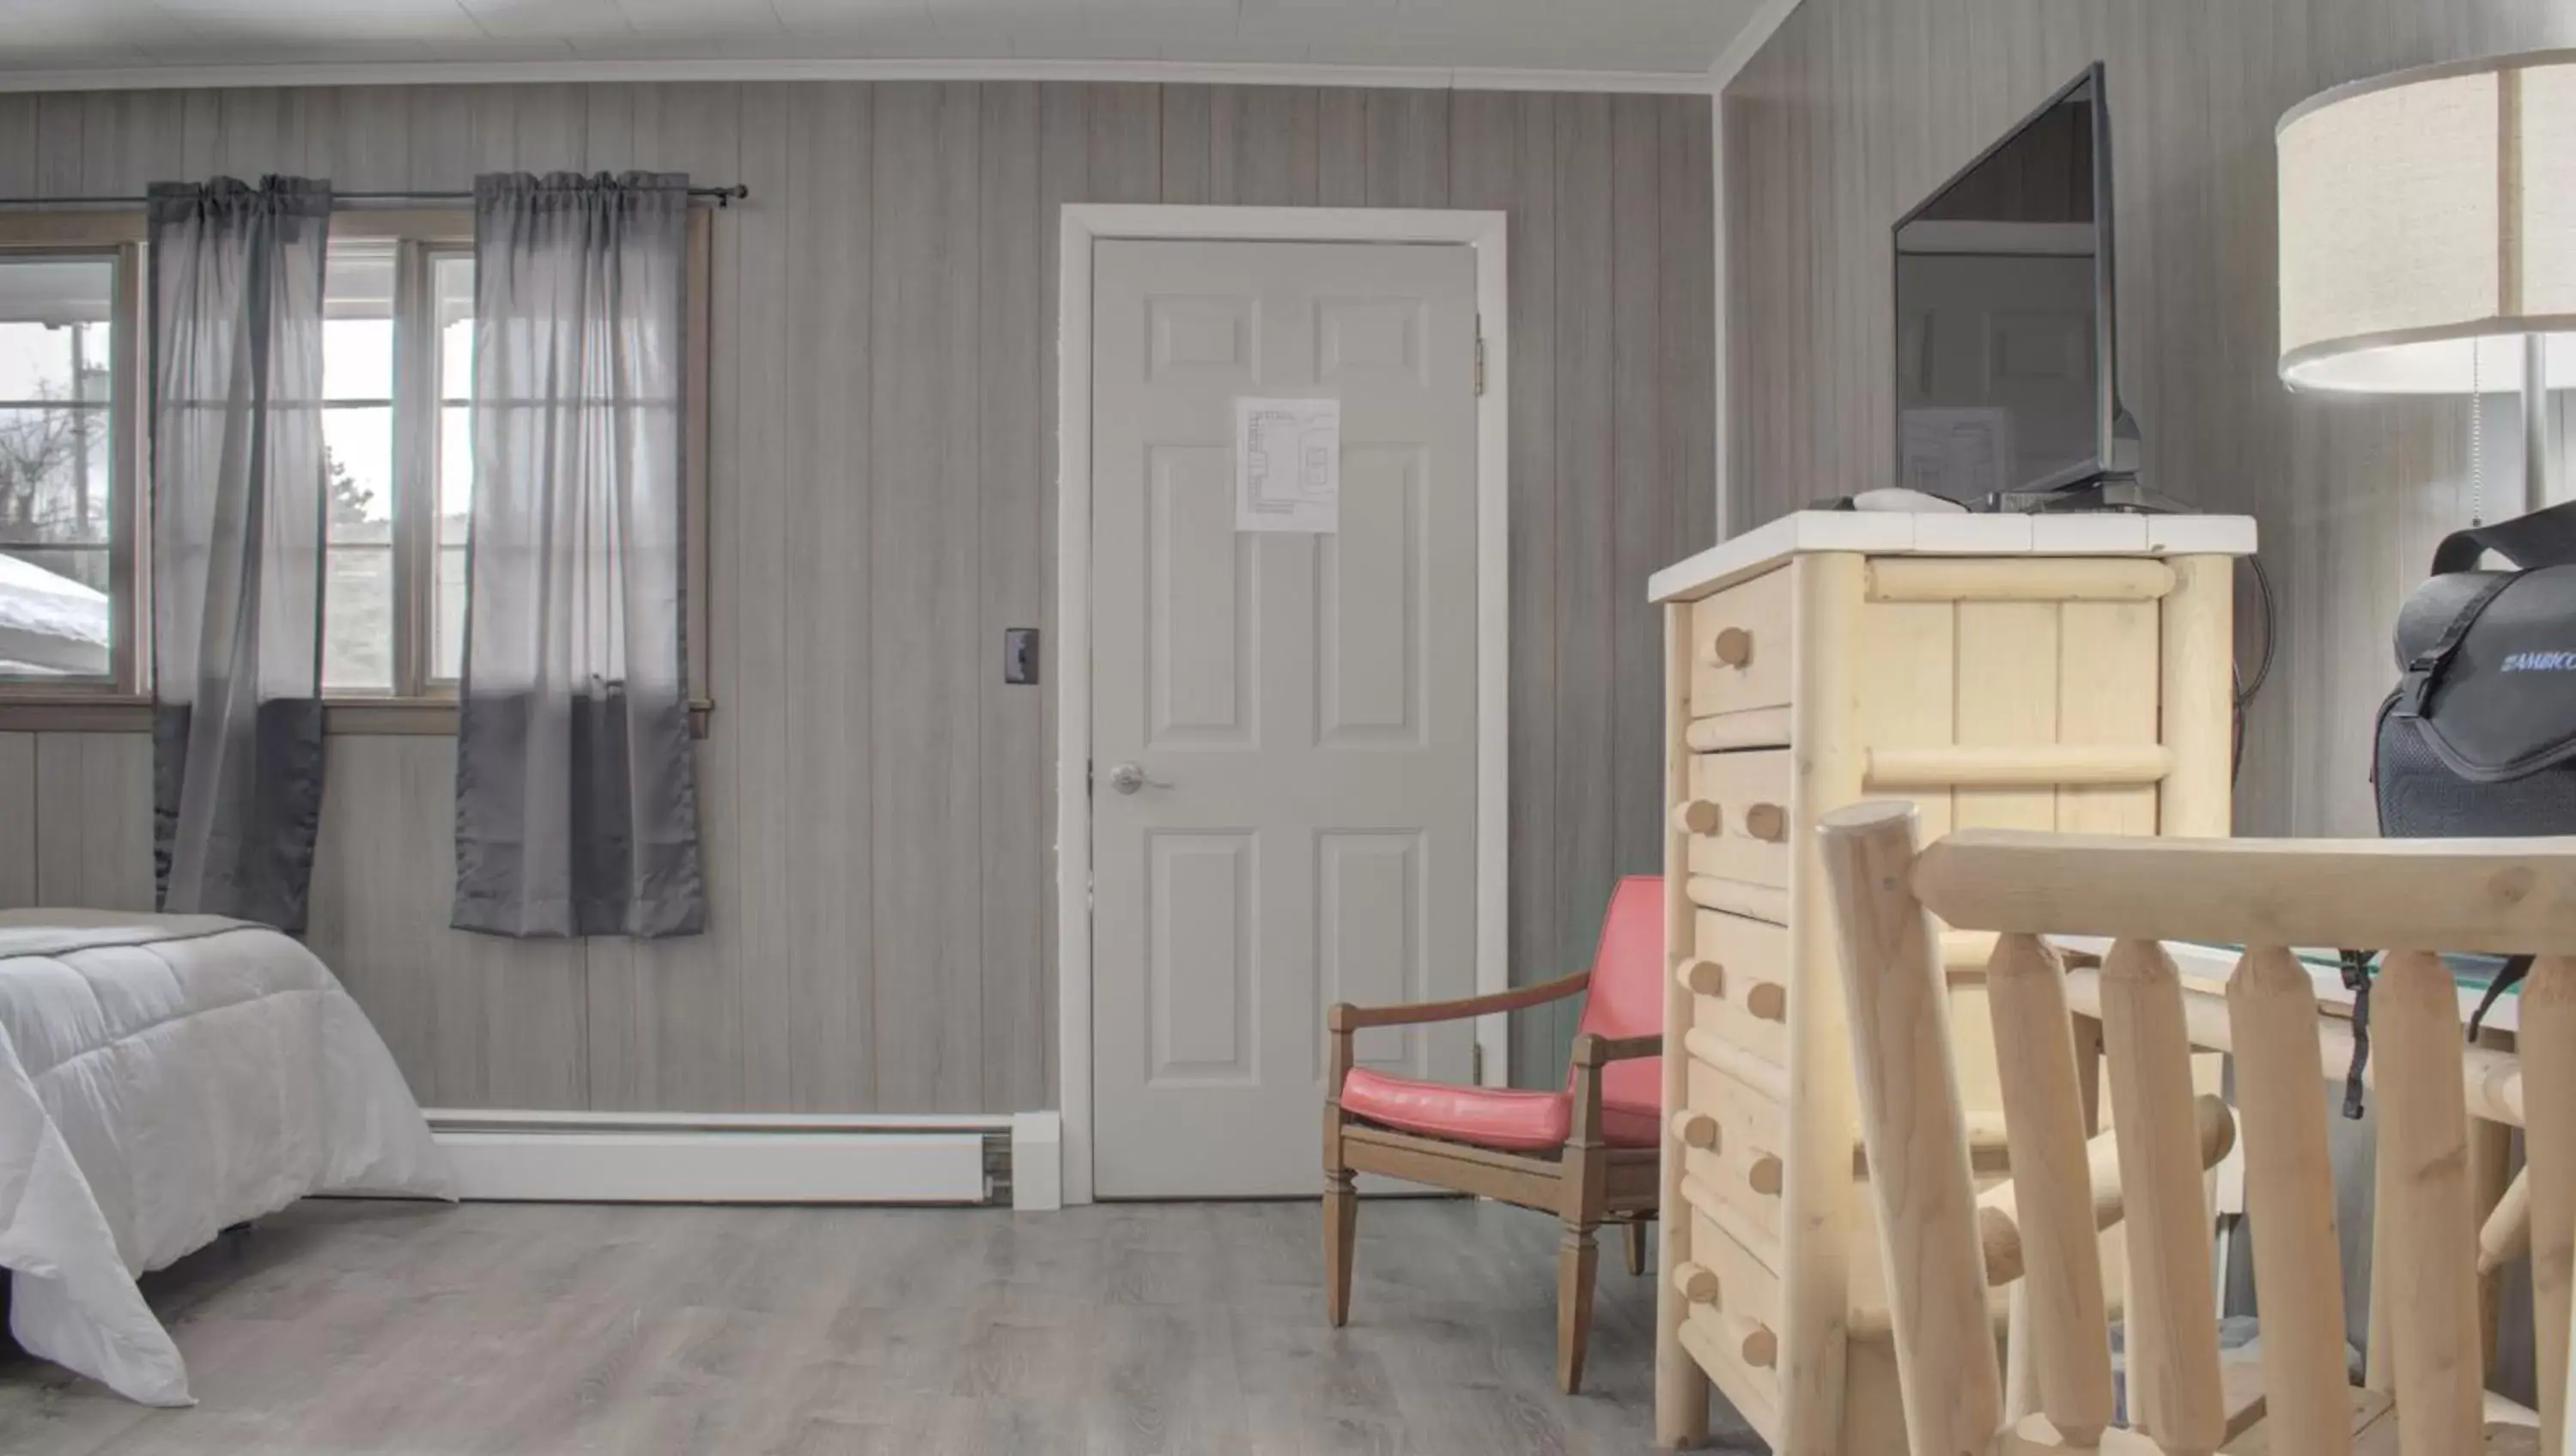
{"points": [[1084, 225]]}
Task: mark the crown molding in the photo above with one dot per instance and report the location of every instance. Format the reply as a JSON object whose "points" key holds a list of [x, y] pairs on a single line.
{"points": [[1748, 43], [450, 73]]}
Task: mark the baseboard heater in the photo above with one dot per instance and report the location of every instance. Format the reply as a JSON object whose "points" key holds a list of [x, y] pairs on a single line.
{"points": [[613, 1157]]}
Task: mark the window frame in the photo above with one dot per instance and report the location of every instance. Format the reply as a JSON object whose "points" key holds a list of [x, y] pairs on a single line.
{"points": [[420, 703], [113, 236], [419, 237]]}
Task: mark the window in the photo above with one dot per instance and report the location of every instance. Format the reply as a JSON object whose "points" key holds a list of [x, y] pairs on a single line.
{"points": [[397, 373], [398, 365], [66, 462]]}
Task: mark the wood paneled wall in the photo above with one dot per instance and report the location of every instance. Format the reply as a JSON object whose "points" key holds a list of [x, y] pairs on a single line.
{"points": [[1858, 108], [876, 800]]}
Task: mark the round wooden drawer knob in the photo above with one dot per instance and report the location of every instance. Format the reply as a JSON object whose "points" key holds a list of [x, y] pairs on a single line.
{"points": [[1767, 822], [1697, 1129], [1761, 1348], [1697, 1282], [1764, 1175], [1731, 648], [1768, 1000], [1704, 977], [1698, 816]]}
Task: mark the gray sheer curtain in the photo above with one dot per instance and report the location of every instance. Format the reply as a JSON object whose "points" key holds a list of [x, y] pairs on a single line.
{"points": [[237, 521], [576, 789]]}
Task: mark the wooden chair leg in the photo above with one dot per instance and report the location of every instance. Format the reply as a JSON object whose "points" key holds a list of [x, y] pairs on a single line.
{"points": [[1576, 1257], [1341, 1225], [1636, 1246]]}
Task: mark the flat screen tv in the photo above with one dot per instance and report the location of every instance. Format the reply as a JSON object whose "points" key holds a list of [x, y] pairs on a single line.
{"points": [[2004, 332]]}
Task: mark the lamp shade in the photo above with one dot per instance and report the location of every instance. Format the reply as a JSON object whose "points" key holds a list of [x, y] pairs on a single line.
{"points": [[2422, 212]]}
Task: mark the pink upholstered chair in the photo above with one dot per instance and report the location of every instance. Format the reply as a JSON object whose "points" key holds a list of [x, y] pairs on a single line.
{"points": [[1586, 1154]]}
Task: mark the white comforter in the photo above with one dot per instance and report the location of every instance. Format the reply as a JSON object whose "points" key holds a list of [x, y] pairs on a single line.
{"points": [[162, 1078]]}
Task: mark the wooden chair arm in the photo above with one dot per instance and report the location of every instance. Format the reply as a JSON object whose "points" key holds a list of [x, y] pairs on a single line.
{"points": [[1345, 1017], [1592, 1049]]}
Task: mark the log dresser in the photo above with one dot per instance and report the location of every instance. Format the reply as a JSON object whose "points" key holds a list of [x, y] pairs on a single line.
{"points": [[2046, 672]]}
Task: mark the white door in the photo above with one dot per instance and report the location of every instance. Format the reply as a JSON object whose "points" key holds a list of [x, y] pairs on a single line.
{"points": [[1300, 709]]}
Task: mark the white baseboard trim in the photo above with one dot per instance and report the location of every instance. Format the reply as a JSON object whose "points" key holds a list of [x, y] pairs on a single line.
{"points": [[580, 1157], [1037, 1162]]}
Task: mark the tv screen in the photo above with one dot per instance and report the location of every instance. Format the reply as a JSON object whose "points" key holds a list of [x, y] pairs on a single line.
{"points": [[2003, 312]]}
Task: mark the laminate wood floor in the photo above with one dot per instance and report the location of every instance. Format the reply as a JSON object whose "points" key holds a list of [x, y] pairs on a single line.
{"points": [[1194, 1329]]}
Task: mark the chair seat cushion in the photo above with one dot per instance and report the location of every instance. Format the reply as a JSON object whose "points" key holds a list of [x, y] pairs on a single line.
{"points": [[1489, 1117]]}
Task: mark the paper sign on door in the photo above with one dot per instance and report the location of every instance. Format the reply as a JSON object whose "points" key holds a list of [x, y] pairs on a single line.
{"points": [[1287, 465]]}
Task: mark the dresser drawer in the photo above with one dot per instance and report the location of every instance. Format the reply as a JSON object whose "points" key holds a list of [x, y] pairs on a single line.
{"points": [[1746, 1288], [1741, 1352], [1749, 1165], [1751, 1008], [1751, 793], [1740, 646]]}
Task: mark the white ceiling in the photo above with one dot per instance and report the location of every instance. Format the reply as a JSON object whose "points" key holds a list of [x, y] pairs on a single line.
{"points": [[1667, 37]]}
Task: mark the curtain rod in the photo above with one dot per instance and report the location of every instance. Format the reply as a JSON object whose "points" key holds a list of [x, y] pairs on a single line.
{"points": [[724, 197]]}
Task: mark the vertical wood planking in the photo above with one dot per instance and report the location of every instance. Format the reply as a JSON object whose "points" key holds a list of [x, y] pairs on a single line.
{"points": [[1641, 539], [149, 146], [61, 121], [1064, 175], [1342, 147], [1126, 160], [262, 132], [1503, 155], [550, 131], [768, 785], [1408, 148], [358, 137], [202, 136], [1017, 810], [683, 1021], [778, 1006], [1685, 290], [62, 823], [831, 962], [1266, 149], [1584, 787], [1186, 134], [379, 904], [925, 780], [17, 820], [93, 820]]}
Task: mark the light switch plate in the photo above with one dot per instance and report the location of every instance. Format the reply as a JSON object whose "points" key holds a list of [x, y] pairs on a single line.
{"points": [[1020, 655]]}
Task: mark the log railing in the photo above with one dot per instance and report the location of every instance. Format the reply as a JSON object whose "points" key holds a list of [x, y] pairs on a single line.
{"points": [[2412, 899]]}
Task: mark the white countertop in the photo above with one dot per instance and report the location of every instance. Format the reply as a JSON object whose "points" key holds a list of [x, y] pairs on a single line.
{"points": [[1888, 533]]}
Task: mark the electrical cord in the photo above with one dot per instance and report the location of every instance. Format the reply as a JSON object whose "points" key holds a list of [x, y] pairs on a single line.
{"points": [[2263, 665], [2245, 690]]}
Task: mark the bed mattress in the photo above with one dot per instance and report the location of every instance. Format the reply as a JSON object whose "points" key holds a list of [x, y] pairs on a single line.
{"points": [[162, 1078]]}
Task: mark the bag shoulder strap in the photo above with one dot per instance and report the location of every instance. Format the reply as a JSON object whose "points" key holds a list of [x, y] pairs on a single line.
{"points": [[2424, 674], [2545, 537]]}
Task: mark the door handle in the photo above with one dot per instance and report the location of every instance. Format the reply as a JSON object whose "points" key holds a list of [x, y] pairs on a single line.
{"points": [[1127, 778]]}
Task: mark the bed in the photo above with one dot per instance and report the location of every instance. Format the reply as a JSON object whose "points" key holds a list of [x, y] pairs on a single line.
{"points": [[162, 1078]]}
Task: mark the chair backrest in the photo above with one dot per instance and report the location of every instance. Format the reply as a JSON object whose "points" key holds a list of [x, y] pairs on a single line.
{"points": [[1627, 993], [2409, 898]]}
